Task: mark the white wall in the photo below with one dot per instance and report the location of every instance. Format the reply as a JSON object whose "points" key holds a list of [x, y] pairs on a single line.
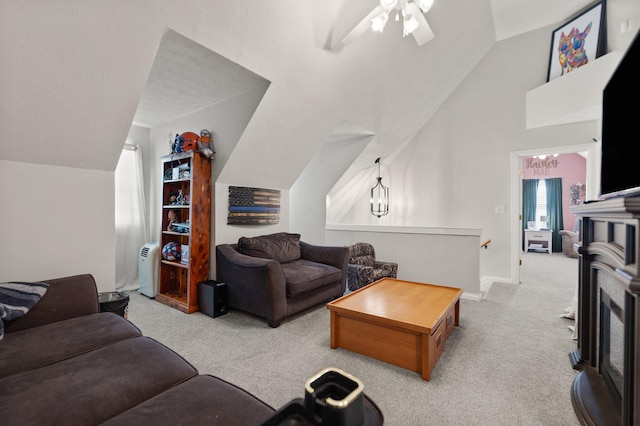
{"points": [[494, 126], [418, 178], [439, 256], [58, 221], [309, 193], [456, 171]]}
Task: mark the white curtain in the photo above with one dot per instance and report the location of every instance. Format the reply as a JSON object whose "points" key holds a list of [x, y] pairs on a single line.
{"points": [[131, 229]]}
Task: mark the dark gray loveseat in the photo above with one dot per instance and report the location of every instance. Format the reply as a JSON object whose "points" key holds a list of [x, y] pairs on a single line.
{"points": [[64, 362], [277, 275]]}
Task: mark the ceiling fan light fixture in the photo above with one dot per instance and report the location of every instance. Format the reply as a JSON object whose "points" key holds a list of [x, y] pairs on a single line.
{"points": [[425, 5], [410, 24], [413, 20], [378, 23]]}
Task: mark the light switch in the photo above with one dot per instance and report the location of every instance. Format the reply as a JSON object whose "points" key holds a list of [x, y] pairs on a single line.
{"points": [[499, 209]]}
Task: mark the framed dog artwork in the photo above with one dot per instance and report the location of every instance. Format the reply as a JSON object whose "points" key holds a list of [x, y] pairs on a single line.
{"points": [[578, 41]]}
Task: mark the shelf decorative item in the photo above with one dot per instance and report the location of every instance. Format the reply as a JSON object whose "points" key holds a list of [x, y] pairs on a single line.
{"points": [[191, 141], [184, 254], [180, 198], [171, 251]]}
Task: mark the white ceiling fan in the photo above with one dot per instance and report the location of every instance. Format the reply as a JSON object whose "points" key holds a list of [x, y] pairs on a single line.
{"points": [[410, 11]]}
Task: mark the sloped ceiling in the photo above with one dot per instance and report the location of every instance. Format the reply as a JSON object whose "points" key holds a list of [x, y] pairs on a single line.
{"points": [[76, 74], [187, 77]]}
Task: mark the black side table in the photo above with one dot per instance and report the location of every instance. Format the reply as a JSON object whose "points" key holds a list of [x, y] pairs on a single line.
{"points": [[114, 301]]}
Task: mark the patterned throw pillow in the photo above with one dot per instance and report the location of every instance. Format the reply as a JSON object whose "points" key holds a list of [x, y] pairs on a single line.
{"points": [[16, 298]]}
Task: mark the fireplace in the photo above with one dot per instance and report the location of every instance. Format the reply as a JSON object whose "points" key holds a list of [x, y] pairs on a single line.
{"points": [[611, 354], [607, 389]]}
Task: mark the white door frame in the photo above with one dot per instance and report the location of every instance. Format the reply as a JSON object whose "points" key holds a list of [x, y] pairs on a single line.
{"points": [[592, 151]]}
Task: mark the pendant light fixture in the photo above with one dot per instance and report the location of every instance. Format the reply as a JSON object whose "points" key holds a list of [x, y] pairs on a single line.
{"points": [[379, 196]]}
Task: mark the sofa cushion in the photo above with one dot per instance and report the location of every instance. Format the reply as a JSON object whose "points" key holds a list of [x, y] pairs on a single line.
{"points": [[92, 387], [39, 346], [283, 247], [201, 400], [303, 276]]}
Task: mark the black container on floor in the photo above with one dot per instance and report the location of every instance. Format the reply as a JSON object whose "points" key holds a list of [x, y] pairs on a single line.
{"points": [[212, 298], [114, 301]]}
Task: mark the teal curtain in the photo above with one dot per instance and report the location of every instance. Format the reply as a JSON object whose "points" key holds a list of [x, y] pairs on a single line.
{"points": [[554, 207], [529, 194]]}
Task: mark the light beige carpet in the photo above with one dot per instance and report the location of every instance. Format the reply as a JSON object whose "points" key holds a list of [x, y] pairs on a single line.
{"points": [[506, 364]]}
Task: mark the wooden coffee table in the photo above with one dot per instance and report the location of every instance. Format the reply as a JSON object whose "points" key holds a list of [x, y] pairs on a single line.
{"points": [[400, 322]]}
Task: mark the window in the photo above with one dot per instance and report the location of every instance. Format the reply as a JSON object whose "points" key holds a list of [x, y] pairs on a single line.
{"points": [[131, 230], [541, 205], [128, 207]]}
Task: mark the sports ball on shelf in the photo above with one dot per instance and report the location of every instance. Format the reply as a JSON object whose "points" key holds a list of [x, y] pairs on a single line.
{"points": [[171, 251]]}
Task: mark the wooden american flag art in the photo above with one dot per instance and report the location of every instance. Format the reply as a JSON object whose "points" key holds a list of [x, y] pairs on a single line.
{"points": [[253, 206]]}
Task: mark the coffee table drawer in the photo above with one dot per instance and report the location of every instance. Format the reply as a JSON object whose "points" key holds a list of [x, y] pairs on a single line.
{"points": [[450, 321], [436, 344]]}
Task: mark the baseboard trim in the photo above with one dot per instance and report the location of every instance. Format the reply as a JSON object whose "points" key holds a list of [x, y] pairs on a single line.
{"points": [[487, 281], [471, 296]]}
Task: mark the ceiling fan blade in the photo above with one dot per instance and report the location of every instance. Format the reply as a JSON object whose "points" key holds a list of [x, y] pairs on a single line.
{"points": [[423, 33], [362, 26]]}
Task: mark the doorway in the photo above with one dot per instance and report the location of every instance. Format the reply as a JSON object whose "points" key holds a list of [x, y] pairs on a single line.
{"points": [[591, 152]]}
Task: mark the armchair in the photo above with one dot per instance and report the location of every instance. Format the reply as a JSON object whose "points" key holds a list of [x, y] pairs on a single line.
{"points": [[275, 276], [363, 267]]}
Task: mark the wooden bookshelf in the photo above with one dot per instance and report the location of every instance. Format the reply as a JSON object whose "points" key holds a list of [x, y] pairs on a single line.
{"points": [[186, 192]]}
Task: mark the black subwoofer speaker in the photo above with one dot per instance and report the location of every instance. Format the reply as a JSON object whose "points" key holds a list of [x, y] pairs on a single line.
{"points": [[212, 298]]}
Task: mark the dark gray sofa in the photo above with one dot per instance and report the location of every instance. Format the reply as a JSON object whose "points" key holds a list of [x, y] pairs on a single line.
{"points": [[277, 275], [64, 362]]}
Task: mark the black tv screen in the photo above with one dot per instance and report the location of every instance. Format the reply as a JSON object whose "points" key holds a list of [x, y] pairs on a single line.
{"points": [[620, 171]]}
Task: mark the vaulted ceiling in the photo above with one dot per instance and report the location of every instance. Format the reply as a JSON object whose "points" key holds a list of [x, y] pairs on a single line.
{"points": [[187, 76], [77, 74]]}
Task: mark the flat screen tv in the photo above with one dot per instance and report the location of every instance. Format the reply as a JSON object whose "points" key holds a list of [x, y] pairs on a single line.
{"points": [[620, 163]]}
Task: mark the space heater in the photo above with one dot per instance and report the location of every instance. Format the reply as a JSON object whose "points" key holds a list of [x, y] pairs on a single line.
{"points": [[148, 265]]}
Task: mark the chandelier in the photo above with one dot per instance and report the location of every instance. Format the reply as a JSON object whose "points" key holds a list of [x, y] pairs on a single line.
{"points": [[405, 8], [379, 196]]}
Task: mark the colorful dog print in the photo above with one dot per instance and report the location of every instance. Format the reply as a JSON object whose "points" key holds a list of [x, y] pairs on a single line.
{"points": [[564, 46], [577, 56]]}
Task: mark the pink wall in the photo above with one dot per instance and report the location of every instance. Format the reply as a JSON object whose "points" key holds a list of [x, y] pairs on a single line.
{"points": [[572, 168]]}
